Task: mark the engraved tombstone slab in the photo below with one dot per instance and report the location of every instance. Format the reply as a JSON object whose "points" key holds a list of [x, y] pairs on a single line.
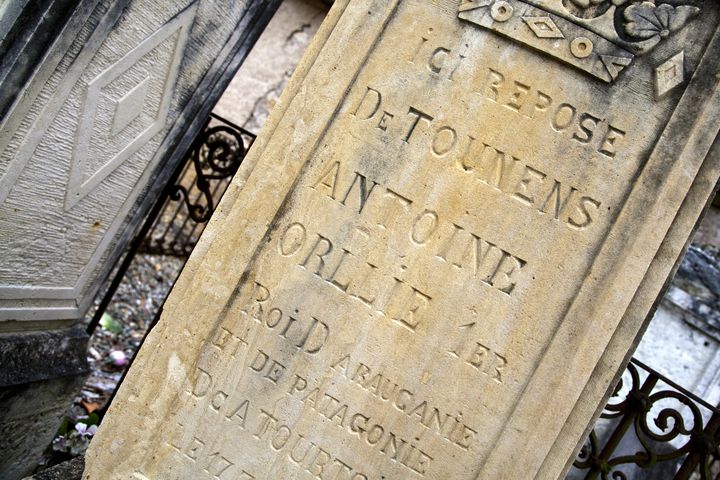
{"points": [[440, 250]]}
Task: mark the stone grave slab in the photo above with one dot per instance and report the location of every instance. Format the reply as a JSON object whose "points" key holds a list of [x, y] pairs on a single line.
{"points": [[440, 251]]}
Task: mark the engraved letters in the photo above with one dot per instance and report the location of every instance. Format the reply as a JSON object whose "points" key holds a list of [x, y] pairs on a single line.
{"points": [[492, 165], [488, 263], [306, 334]]}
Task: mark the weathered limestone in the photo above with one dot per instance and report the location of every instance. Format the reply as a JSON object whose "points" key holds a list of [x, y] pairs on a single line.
{"points": [[99, 101], [70, 470], [439, 252]]}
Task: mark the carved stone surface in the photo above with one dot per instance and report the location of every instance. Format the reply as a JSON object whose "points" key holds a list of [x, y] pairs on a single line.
{"points": [[96, 130], [70, 470], [99, 101], [437, 255], [32, 356]]}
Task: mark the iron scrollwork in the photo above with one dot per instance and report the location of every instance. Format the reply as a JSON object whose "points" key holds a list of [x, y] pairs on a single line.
{"points": [[660, 421], [216, 155], [189, 201]]}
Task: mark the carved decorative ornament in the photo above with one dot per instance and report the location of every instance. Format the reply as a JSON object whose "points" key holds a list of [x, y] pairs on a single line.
{"points": [[600, 37], [645, 23]]}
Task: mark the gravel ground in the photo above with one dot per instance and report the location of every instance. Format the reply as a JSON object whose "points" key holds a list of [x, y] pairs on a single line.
{"points": [[134, 306]]}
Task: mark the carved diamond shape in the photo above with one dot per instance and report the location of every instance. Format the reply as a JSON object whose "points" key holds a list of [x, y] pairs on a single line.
{"points": [[473, 5], [130, 106], [543, 27], [670, 74], [126, 105]]}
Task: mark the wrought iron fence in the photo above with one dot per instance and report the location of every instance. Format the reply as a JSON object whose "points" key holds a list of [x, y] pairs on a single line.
{"points": [[651, 429], [212, 161], [182, 211]]}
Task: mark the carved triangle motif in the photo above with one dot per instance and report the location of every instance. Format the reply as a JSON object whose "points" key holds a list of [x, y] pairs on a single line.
{"points": [[474, 5], [615, 65]]}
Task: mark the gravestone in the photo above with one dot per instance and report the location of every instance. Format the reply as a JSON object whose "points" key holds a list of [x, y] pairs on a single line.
{"points": [[99, 101], [440, 250]]}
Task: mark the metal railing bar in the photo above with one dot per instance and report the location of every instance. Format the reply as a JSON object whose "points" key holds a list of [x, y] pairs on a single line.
{"points": [[677, 387]]}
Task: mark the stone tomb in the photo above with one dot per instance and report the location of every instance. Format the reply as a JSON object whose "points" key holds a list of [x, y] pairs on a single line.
{"points": [[439, 252], [99, 103]]}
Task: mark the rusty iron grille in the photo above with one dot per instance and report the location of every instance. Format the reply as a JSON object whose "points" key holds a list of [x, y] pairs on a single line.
{"points": [[211, 163], [651, 429]]}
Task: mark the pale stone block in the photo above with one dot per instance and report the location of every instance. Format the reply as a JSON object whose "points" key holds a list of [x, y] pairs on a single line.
{"points": [[91, 137]]}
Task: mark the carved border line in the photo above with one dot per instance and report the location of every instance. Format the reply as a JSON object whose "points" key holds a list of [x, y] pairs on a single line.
{"points": [[48, 112], [39, 81]]}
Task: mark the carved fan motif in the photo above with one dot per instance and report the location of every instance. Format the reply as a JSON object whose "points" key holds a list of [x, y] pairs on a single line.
{"points": [[645, 22]]}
